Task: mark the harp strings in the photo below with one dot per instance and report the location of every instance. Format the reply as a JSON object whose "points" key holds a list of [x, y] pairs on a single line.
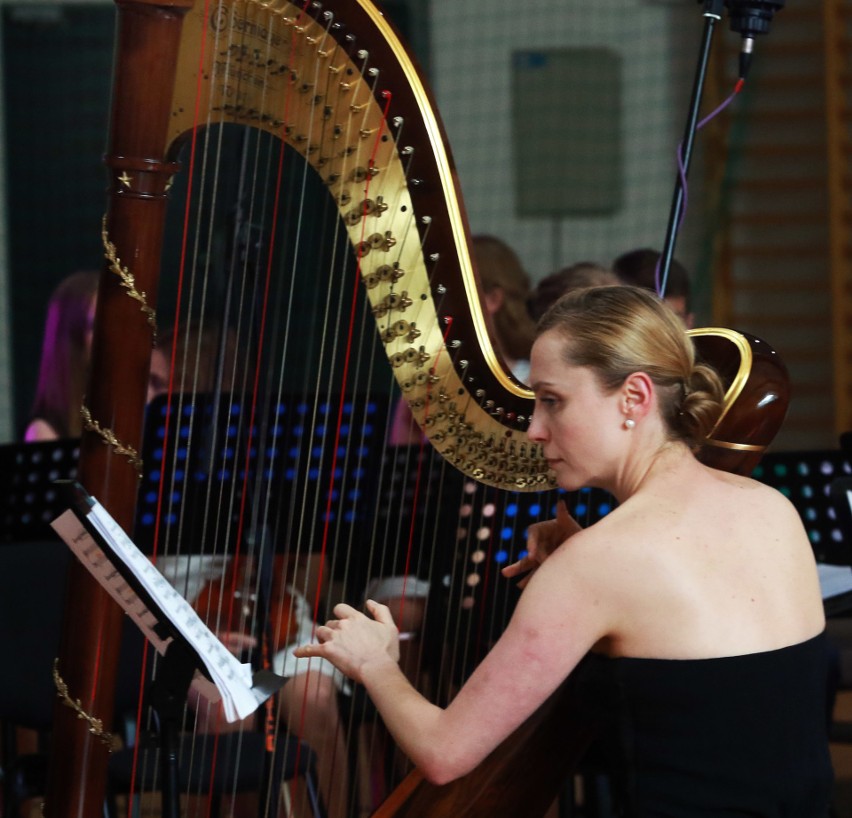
{"points": [[257, 305]]}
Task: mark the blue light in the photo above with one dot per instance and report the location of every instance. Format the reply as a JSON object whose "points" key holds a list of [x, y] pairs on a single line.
{"points": [[313, 474], [511, 509], [290, 474], [501, 556], [151, 497], [181, 453], [349, 516], [148, 519], [604, 509], [534, 510]]}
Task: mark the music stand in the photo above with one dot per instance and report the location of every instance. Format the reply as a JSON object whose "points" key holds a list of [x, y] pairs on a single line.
{"points": [[29, 499]]}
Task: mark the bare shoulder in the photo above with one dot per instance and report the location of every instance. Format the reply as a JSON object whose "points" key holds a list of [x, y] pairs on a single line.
{"points": [[753, 494], [39, 430]]}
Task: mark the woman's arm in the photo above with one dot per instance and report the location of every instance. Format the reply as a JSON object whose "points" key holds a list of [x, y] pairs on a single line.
{"points": [[557, 620]]}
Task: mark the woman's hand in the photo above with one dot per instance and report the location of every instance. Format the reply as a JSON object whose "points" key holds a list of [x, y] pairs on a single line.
{"points": [[353, 640], [542, 540]]}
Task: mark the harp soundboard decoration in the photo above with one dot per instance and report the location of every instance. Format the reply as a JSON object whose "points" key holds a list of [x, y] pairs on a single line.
{"points": [[284, 220]]}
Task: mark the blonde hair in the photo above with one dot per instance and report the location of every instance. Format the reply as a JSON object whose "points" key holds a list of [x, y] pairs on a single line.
{"points": [[616, 331], [499, 266]]}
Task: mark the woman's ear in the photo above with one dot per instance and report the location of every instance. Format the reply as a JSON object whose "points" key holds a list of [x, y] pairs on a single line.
{"points": [[637, 394]]}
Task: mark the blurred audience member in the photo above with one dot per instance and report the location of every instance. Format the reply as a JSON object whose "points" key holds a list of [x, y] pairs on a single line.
{"points": [[506, 287], [66, 350], [204, 362], [581, 274], [506, 293], [639, 267]]}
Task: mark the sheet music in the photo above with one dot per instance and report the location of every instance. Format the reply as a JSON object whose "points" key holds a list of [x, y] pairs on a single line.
{"points": [[232, 681]]}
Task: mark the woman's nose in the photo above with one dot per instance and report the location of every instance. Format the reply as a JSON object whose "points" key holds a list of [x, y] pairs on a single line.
{"points": [[536, 430]]}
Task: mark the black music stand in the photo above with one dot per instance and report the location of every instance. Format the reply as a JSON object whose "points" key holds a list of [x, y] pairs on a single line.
{"points": [[181, 660], [29, 499]]}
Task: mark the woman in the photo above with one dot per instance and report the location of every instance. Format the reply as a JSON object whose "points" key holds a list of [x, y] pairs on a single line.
{"points": [[697, 596], [64, 359]]}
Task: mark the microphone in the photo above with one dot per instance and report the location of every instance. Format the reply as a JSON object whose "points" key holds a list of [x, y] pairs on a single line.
{"points": [[750, 18]]}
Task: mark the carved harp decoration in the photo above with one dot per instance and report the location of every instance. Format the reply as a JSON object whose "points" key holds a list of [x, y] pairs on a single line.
{"points": [[362, 118]]}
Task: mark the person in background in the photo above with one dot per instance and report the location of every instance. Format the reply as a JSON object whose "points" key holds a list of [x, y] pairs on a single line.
{"points": [[506, 293], [506, 289], [66, 350], [639, 268], [697, 635], [574, 277]]}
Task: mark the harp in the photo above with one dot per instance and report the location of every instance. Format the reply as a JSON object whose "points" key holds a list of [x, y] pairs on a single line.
{"points": [[331, 85]]}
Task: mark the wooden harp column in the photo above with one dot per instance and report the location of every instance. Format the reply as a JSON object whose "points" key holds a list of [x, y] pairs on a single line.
{"points": [[146, 47]]}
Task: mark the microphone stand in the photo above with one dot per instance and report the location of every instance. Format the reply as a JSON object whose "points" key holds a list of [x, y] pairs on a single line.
{"points": [[712, 15]]}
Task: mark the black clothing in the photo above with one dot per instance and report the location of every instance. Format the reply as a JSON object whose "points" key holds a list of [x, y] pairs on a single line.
{"points": [[733, 736]]}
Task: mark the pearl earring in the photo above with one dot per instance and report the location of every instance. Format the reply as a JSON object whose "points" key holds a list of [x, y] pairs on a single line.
{"points": [[629, 423]]}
